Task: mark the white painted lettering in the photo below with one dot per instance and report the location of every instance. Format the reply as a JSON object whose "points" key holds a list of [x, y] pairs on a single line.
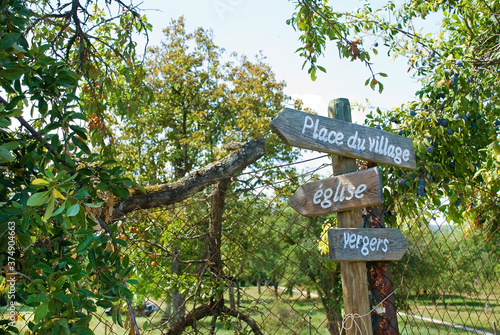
{"points": [[397, 156], [323, 135], [308, 124], [317, 195], [352, 241], [339, 138], [379, 144], [361, 144], [373, 243], [358, 241], [364, 250], [390, 151], [326, 203], [351, 142], [331, 137], [406, 155], [350, 189], [385, 247], [371, 142], [359, 191], [315, 134]]}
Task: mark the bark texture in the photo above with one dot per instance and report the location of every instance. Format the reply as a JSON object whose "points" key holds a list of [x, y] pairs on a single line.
{"points": [[167, 194]]}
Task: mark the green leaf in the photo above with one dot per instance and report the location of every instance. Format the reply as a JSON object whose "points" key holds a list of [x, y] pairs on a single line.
{"points": [[60, 209], [12, 145], [8, 40], [41, 311], [39, 198], [73, 210], [43, 267], [85, 243], [104, 303], [380, 87], [5, 155], [96, 205], [60, 281], [120, 192], [65, 326], [81, 331], [39, 182], [81, 144], [50, 208], [12, 74]]}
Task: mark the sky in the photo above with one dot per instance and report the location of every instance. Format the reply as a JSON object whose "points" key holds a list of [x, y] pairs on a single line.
{"points": [[249, 27]]}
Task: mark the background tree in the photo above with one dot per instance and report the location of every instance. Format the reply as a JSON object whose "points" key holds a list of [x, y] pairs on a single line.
{"points": [[205, 105]]}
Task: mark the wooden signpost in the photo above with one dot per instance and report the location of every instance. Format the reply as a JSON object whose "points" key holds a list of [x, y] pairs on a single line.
{"points": [[349, 190], [340, 193]]}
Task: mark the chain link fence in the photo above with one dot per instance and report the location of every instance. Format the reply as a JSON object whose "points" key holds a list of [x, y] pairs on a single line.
{"points": [[235, 259]]}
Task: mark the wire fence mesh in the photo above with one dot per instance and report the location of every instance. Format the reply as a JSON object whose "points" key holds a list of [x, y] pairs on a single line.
{"points": [[235, 259]]}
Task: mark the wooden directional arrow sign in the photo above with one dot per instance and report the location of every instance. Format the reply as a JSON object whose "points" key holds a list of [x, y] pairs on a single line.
{"points": [[309, 131], [366, 244], [348, 191]]}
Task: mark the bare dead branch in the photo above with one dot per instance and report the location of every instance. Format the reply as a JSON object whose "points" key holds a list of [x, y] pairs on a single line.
{"points": [[164, 195]]}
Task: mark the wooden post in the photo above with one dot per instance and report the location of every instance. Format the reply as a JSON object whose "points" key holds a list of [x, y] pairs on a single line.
{"points": [[354, 275]]}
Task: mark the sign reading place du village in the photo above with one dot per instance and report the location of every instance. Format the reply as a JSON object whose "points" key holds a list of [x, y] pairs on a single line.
{"points": [[314, 132], [349, 191]]}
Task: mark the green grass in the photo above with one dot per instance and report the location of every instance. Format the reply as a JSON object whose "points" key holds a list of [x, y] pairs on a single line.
{"points": [[290, 314], [459, 310]]}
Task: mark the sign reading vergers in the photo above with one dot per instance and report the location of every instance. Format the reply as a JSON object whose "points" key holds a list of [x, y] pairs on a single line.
{"points": [[309, 131], [366, 244]]}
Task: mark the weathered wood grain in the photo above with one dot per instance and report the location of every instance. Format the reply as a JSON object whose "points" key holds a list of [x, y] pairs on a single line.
{"points": [[366, 244], [348, 191], [354, 276], [314, 132]]}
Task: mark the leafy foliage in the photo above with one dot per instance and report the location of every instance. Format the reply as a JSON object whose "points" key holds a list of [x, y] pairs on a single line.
{"points": [[454, 119], [55, 186], [202, 102]]}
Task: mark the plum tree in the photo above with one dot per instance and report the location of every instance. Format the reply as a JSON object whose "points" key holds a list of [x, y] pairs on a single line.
{"points": [[454, 112]]}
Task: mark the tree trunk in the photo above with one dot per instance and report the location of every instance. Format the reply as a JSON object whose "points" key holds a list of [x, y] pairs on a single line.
{"points": [[334, 319], [258, 287], [238, 294], [214, 242], [384, 318], [232, 301], [178, 299]]}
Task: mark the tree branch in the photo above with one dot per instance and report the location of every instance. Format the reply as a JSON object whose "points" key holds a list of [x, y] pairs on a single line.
{"points": [[206, 310], [196, 181]]}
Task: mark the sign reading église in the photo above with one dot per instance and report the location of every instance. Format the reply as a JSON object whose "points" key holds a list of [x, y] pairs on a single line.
{"points": [[348, 191], [309, 131]]}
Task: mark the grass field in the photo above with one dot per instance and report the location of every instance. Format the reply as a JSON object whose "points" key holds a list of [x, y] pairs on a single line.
{"points": [[296, 314]]}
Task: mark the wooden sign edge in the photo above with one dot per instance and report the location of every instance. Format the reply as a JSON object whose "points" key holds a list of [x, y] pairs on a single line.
{"points": [[411, 164], [370, 257]]}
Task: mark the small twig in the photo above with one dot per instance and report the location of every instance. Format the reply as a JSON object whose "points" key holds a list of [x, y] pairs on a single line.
{"points": [[6, 270], [129, 303]]}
